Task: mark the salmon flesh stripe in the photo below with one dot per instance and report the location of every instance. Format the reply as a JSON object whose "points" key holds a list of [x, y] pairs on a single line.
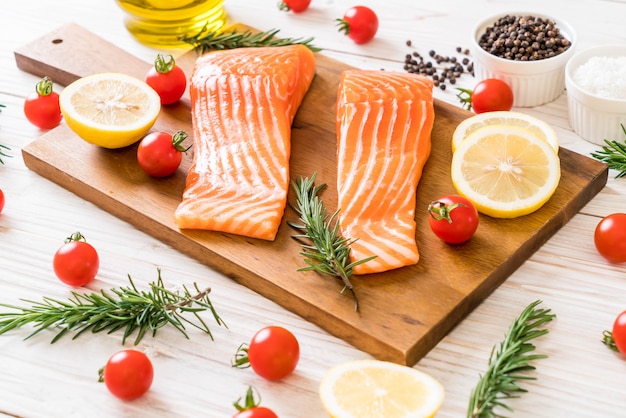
{"points": [[243, 102], [384, 124]]}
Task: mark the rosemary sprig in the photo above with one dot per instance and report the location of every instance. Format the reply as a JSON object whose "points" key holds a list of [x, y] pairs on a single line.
{"points": [[127, 308], [614, 154], [205, 40], [324, 249], [506, 365], [3, 154]]}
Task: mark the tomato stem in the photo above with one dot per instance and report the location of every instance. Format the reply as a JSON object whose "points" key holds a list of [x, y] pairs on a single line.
{"points": [[240, 359], [251, 401], [609, 341], [44, 87], [343, 25], [101, 374], [439, 210], [177, 140], [76, 236], [465, 97], [164, 64]]}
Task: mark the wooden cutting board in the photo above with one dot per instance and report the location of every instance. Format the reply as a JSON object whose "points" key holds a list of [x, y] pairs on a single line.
{"points": [[403, 313]]}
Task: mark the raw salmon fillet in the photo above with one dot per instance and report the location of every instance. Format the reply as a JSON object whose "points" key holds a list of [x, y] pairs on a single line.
{"points": [[384, 123], [243, 102]]}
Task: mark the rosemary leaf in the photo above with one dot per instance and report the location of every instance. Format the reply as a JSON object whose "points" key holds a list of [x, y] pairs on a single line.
{"points": [[614, 155], [508, 364], [4, 154], [205, 40], [324, 250], [125, 308]]}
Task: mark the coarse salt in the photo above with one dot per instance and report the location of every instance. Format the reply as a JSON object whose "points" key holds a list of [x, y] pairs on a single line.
{"points": [[603, 76]]}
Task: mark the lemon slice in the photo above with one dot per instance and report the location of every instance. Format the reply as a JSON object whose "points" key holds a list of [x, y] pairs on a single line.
{"points": [[374, 389], [111, 110], [522, 120], [505, 171]]}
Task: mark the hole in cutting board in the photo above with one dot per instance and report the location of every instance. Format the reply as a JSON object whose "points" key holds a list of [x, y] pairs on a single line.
{"points": [[57, 41]]}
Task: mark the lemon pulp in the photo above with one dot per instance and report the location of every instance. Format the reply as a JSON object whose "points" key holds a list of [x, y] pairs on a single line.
{"points": [[505, 171], [372, 388], [109, 109]]}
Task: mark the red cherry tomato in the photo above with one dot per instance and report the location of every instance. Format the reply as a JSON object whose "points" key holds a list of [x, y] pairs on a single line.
{"points": [[42, 107], [619, 332], [360, 23], [257, 412], [488, 95], [1, 200], [610, 237], [128, 374], [273, 353], [159, 154], [167, 79], [295, 6], [251, 408], [76, 263], [453, 219]]}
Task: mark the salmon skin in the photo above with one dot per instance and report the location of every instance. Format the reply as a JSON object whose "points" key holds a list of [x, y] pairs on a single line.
{"points": [[384, 124], [243, 102]]}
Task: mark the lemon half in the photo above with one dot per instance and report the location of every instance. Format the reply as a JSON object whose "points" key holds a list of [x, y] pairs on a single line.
{"points": [[505, 171], [374, 389], [111, 110], [537, 126]]}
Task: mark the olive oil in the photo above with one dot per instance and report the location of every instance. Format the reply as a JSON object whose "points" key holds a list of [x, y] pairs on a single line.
{"points": [[160, 23]]}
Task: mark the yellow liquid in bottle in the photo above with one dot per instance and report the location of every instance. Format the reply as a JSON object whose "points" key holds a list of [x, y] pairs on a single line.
{"points": [[160, 23]]}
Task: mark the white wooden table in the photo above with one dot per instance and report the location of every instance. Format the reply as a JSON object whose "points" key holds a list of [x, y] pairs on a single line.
{"points": [[581, 378]]}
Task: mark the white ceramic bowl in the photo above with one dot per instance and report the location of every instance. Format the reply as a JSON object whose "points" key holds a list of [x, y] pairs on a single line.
{"points": [[533, 82], [592, 116]]}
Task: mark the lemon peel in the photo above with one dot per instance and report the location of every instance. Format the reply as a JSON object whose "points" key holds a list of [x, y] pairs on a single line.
{"points": [[537, 126]]}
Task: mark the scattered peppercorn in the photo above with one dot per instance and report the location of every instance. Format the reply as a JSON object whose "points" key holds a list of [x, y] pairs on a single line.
{"points": [[524, 38], [441, 69]]}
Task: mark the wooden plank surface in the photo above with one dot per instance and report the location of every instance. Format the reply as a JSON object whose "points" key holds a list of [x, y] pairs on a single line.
{"points": [[404, 313]]}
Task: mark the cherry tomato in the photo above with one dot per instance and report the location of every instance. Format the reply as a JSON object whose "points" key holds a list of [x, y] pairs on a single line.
{"points": [[257, 412], [1, 200], [453, 219], [42, 107], [488, 95], [76, 263], [610, 237], [251, 408], [273, 353], [128, 374], [295, 6], [619, 332], [360, 23], [159, 154], [167, 79]]}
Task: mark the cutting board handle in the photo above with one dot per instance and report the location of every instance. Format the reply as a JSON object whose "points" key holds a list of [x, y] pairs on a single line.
{"points": [[71, 52]]}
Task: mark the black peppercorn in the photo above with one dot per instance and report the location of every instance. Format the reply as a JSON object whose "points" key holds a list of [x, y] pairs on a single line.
{"points": [[523, 38]]}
